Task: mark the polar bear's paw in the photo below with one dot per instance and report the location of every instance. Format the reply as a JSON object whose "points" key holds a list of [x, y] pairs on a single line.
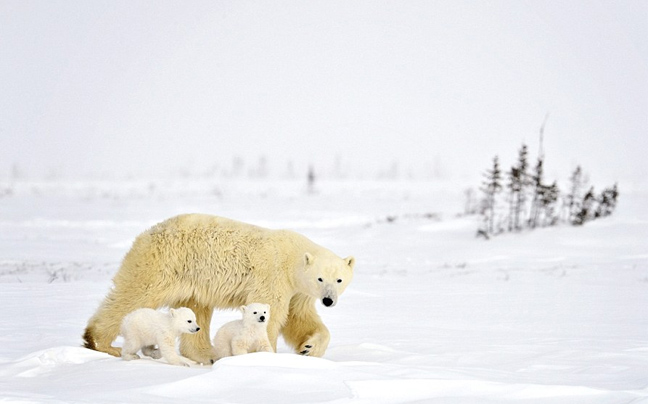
{"points": [[315, 345], [205, 356], [306, 348]]}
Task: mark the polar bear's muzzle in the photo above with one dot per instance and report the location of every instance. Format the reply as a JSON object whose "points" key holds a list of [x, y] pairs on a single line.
{"points": [[329, 296]]}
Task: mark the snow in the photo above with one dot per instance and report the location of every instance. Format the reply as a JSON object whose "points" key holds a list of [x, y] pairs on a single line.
{"points": [[434, 315]]}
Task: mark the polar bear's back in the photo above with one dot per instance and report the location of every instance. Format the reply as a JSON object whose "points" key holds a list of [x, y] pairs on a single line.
{"points": [[191, 221], [214, 242], [220, 260]]}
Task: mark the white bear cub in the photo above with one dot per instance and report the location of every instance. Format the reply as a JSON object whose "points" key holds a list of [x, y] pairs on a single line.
{"points": [[145, 328], [247, 335]]}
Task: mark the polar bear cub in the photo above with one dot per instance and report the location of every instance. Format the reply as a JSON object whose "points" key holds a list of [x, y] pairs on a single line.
{"points": [[145, 328], [249, 334]]}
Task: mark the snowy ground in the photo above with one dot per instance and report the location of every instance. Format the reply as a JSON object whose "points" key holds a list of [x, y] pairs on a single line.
{"points": [[433, 315]]}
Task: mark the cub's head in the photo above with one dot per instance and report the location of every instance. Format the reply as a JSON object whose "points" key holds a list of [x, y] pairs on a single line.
{"points": [[256, 313], [184, 320], [326, 276]]}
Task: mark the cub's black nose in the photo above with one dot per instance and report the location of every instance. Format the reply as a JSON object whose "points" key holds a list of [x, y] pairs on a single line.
{"points": [[327, 301], [197, 329], [262, 318]]}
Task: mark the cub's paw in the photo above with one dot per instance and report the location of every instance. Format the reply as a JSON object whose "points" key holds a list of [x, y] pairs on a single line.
{"points": [[130, 357], [152, 351], [186, 362], [178, 362]]}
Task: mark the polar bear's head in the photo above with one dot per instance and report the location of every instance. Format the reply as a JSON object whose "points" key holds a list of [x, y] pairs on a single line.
{"points": [[326, 276], [184, 320], [254, 313]]}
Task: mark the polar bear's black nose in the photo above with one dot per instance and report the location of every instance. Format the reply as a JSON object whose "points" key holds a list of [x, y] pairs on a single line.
{"points": [[197, 329], [262, 318], [327, 301]]}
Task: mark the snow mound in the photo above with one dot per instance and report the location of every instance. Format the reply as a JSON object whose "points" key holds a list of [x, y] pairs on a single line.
{"points": [[47, 360], [263, 377]]}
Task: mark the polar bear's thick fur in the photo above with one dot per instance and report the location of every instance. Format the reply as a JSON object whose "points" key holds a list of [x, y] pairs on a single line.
{"points": [[205, 262], [145, 328], [250, 334]]}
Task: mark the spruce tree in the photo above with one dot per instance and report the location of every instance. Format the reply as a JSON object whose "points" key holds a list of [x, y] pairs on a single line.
{"points": [[518, 180], [574, 195], [586, 210], [492, 185], [538, 191], [607, 202], [513, 186], [549, 201]]}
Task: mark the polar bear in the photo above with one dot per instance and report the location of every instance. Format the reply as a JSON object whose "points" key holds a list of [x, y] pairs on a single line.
{"points": [[205, 262], [146, 328], [249, 334]]}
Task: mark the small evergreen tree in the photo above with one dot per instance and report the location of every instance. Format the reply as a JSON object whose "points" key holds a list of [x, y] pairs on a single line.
{"points": [[538, 190], [518, 181], [549, 204], [586, 211], [574, 198], [492, 186], [607, 202], [512, 185]]}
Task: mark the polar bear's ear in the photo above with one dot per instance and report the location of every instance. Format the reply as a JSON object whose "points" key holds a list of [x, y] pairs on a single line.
{"points": [[308, 259], [172, 312], [350, 261], [242, 308]]}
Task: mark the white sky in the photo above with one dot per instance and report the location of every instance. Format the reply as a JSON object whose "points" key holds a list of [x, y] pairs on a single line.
{"points": [[144, 87]]}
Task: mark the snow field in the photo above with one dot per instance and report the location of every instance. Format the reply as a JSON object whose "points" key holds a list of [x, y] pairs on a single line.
{"points": [[433, 315]]}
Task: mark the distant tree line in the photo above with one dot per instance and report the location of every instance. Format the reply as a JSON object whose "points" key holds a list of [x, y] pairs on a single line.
{"points": [[520, 198]]}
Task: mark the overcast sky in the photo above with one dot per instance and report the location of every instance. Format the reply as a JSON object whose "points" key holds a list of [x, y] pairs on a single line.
{"points": [[145, 87]]}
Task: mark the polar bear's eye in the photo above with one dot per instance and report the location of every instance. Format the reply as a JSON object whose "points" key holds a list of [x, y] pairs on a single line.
{"points": [[254, 312], [339, 280], [320, 279], [189, 321]]}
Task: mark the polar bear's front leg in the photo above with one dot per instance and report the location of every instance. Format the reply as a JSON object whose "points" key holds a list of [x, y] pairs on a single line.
{"points": [[304, 329], [197, 346]]}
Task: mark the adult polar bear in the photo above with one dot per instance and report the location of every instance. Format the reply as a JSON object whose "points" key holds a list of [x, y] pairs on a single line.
{"points": [[205, 262]]}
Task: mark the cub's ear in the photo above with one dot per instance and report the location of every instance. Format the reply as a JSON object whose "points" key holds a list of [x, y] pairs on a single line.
{"points": [[350, 261], [172, 312], [242, 308], [308, 259]]}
